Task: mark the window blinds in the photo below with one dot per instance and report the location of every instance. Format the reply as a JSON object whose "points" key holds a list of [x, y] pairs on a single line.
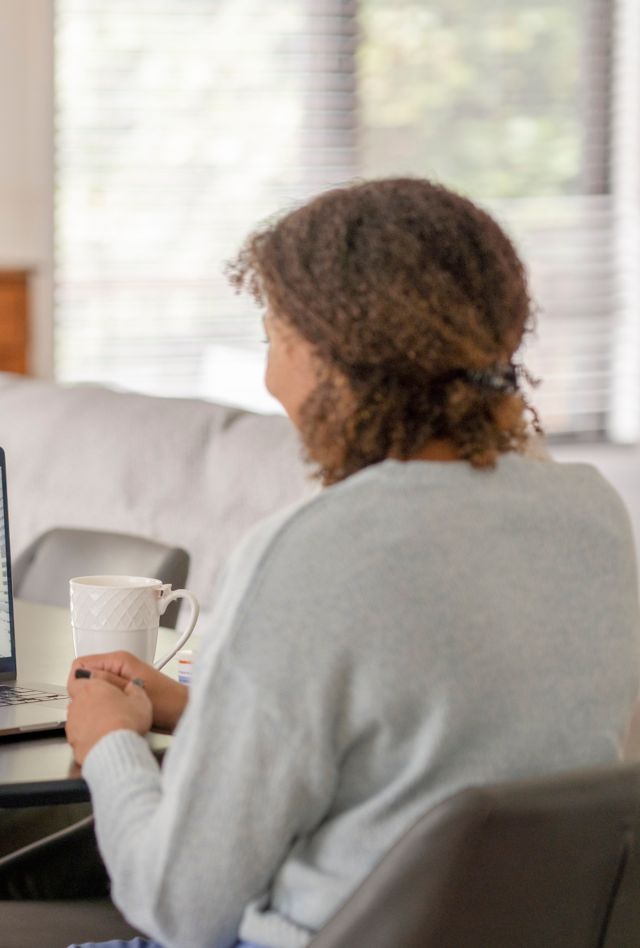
{"points": [[516, 104], [180, 123]]}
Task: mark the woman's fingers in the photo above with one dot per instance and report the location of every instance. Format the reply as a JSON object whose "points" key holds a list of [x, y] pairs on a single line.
{"points": [[115, 667], [81, 674]]}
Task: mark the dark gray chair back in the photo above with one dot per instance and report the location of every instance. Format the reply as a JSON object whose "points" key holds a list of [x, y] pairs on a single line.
{"points": [[42, 572], [533, 865], [542, 864]]}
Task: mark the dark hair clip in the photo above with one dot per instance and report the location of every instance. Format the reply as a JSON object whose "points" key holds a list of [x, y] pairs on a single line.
{"points": [[499, 378]]}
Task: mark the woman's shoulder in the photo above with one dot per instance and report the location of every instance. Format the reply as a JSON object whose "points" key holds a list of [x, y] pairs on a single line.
{"points": [[579, 480], [341, 519], [308, 530]]}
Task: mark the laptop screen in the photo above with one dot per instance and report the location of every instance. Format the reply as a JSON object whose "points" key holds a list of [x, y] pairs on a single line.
{"points": [[7, 645]]}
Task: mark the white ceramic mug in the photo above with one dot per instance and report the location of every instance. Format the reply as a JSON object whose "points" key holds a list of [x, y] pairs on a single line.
{"points": [[122, 613]]}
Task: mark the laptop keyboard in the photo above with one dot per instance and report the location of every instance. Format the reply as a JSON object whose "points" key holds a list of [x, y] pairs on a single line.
{"points": [[14, 694]]}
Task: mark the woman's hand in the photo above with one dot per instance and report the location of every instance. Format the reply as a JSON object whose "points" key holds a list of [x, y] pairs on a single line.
{"points": [[168, 697], [97, 708]]}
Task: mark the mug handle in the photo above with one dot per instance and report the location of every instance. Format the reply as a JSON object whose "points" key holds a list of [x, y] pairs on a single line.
{"points": [[163, 602]]}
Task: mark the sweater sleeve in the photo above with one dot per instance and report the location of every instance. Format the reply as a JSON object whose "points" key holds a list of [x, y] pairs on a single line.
{"points": [[188, 846]]}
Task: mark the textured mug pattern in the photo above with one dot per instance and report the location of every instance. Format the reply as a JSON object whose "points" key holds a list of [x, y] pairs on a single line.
{"points": [[114, 613], [114, 609]]}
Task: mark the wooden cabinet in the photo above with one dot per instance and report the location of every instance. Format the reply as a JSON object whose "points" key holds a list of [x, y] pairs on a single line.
{"points": [[13, 321]]}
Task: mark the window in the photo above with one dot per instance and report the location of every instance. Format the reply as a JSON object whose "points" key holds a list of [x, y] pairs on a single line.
{"points": [[180, 123]]}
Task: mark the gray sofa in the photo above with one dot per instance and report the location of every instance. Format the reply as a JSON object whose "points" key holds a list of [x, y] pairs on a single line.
{"points": [[188, 472]]}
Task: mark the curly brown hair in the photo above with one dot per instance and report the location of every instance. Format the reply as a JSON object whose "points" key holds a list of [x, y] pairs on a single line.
{"points": [[410, 295]]}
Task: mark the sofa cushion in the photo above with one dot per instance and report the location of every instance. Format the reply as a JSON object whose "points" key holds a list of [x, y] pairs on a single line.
{"points": [[185, 471]]}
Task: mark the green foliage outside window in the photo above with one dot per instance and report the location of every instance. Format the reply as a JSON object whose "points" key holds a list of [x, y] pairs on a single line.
{"points": [[485, 97]]}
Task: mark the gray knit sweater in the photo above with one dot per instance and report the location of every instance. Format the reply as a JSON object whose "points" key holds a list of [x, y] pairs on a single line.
{"points": [[420, 627]]}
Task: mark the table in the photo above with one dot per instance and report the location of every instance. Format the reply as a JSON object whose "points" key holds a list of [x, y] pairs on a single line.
{"points": [[41, 770]]}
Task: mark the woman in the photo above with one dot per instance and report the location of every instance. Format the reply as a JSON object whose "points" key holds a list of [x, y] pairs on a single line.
{"points": [[447, 612]]}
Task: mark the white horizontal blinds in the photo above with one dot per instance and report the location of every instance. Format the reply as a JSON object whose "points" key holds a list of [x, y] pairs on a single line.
{"points": [[180, 124], [569, 245], [625, 180], [329, 119], [509, 100]]}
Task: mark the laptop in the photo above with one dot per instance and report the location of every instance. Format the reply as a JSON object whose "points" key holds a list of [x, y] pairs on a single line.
{"points": [[25, 707]]}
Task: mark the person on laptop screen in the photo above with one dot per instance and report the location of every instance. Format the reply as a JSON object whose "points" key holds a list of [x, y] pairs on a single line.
{"points": [[447, 611]]}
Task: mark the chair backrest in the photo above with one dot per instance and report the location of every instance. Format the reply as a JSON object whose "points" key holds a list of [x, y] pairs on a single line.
{"points": [[534, 864], [42, 572]]}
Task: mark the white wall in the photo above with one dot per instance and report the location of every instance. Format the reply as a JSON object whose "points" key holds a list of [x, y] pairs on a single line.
{"points": [[26, 159]]}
